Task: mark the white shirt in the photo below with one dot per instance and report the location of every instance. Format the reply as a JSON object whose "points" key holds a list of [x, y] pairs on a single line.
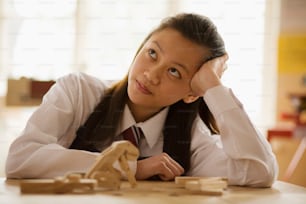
{"points": [[239, 153]]}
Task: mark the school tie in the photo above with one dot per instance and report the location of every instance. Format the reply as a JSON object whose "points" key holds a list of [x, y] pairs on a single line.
{"points": [[132, 134]]}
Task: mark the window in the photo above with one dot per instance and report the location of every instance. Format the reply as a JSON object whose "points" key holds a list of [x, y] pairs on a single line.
{"points": [[41, 38], [46, 39]]}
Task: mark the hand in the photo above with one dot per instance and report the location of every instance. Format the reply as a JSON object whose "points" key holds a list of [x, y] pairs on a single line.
{"points": [[162, 165], [208, 75]]}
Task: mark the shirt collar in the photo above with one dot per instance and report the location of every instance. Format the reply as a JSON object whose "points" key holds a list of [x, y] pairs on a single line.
{"points": [[152, 128]]}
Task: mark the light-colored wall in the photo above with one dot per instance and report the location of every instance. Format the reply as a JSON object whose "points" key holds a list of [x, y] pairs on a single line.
{"points": [[291, 54], [291, 77]]}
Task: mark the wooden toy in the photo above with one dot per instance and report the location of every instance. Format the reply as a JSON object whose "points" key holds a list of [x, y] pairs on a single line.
{"points": [[203, 185], [72, 183], [100, 176], [103, 170]]}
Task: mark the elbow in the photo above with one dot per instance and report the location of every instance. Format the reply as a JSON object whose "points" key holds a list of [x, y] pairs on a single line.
{"points": [[268, 174], [10, 171], [266, 179], [13, 168], [258, 175], [271, 177]]}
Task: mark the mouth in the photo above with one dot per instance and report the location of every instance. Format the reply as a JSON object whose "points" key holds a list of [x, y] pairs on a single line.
{"points": [[142, 88]]}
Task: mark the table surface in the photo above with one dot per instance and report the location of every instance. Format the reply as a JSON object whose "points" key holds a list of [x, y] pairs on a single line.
{"points": [[154, 192]]}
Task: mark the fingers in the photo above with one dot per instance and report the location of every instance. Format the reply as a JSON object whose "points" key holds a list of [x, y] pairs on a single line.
{"points": [[220, 61], [169, 168], [219, 65], [162, 165], [224, 67], [225, 57]]}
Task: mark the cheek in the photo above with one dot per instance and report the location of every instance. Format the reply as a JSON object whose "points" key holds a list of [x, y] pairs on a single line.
{"points": [[175, 91], [139, 63], [134, 70]]}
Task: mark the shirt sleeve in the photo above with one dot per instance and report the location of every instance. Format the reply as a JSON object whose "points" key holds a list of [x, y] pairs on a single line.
{"points": [[239, 153], [41, 149]]}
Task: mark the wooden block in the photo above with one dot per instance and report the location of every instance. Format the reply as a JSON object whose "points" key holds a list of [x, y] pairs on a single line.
{"points": [[50, 186], [107, 179], [213, 183], [193, 185], [181, 180], [120, 151], [125, 167], [203, 185]]}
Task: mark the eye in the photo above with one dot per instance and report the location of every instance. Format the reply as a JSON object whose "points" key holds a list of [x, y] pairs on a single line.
{"points": [[174, 72], [152, 54]]}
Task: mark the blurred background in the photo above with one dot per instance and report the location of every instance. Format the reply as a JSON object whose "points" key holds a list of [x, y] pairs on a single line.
{"points": [[41, 40]]}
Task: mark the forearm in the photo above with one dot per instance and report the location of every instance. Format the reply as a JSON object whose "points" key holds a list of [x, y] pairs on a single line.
{"points": [[246, 148], [48, 161]]}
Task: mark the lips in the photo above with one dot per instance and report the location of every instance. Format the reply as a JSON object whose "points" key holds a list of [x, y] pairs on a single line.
{"points": [[142, 88]]}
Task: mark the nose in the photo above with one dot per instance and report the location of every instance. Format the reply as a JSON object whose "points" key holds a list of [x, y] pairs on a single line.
{"points": [[153, 75]]}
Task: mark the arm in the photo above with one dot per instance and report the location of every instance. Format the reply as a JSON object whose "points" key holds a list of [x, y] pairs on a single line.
{"points": [[243, 154], [41, 150]]}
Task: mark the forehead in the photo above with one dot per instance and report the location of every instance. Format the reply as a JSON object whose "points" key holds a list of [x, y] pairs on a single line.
{"points": [[177, 47]]}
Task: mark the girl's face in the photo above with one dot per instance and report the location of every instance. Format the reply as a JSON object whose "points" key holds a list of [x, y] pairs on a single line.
{"points": [[161, 73]]}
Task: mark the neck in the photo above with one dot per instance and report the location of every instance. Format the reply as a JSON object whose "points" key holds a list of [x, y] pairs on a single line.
{"points": [[141, 113]]}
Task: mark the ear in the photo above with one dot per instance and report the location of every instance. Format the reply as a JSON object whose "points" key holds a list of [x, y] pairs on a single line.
{"points": [[190, 98]]}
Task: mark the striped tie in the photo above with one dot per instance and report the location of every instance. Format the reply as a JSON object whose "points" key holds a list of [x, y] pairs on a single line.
{"points": [[132, 134]]}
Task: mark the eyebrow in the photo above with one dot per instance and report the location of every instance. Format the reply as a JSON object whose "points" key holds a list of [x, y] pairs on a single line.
{"points": [[179, 64]]}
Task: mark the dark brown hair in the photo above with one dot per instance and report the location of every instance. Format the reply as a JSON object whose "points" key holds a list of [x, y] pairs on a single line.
{"points": [[99, 129]]}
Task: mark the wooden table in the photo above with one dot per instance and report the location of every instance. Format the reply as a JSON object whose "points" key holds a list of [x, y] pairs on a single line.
{"points": [[159, 192]]}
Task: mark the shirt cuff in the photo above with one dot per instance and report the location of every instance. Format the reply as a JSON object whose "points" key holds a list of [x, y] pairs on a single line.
{"points": [[220, 99]]}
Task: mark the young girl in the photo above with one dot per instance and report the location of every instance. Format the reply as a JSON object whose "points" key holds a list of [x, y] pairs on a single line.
{"points": [[190, 123]]}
